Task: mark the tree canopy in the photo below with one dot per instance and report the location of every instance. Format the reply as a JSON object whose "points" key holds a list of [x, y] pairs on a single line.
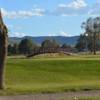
{"points": [[49, 43], [92, 29], [26, 46]]}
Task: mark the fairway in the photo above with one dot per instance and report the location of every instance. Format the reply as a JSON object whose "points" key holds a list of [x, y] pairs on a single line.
{"points": [[45, 75]]}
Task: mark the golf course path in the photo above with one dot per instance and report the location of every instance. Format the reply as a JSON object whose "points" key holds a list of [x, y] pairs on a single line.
{"points": [[53, 96]]}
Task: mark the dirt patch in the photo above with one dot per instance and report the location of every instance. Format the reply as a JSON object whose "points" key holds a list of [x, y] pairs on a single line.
{"points": [[53, 96]]}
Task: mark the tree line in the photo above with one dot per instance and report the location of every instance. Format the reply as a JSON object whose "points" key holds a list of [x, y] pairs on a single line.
{"points": [[26, 46]]}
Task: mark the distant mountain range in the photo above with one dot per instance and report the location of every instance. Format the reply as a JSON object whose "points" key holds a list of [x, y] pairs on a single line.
{"points": [[60, 39]]}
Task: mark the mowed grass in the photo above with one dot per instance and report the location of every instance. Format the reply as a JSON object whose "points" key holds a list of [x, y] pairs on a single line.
{"points": [[43, 75]]}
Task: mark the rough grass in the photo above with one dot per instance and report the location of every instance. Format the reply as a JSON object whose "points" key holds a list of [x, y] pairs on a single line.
{"points": [[42, 75]]}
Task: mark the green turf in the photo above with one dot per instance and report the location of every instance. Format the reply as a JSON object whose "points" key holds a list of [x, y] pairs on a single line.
{"points": [[26, 76]]}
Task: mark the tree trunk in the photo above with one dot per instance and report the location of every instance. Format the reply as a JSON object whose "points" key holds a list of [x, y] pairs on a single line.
{"points": [[3, 54], [94, 43], [3, 50]]}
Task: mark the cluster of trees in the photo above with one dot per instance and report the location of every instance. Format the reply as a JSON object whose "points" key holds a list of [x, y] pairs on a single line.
{"points": [[26, 46], [90, 40]]}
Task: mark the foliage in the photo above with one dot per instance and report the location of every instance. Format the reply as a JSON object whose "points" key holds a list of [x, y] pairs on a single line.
{"points": [[81, 44], [26, 46], [49, 44], [65, 46], [92, 29], [13, 49]]}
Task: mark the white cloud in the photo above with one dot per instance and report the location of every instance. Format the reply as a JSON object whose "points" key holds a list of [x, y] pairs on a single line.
{"points": [[38, 12], [73, 8], [77, 4], [16, 34], [76, 7], [62, 33], [23, 14], [79, 7], [52, 34]]}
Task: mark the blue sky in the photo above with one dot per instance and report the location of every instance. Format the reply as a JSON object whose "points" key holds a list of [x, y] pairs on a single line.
{"points": [[47, 17]]}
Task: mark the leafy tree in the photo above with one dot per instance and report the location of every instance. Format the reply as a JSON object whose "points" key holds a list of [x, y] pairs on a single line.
{"points": [[55, 44], [26, 46], [3, 50], [13, 49], [92, 28], [10, 49], [49, 44], [81, 44], [65, 46]]}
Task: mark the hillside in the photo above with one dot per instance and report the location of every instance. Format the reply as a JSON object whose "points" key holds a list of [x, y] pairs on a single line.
{"points": [[61, 39]]}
